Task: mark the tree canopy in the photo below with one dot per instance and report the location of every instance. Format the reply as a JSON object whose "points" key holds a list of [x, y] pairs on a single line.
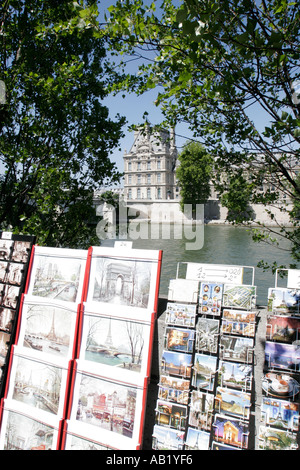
{"points": [[230, 70], [55, 135], [194, 174]]}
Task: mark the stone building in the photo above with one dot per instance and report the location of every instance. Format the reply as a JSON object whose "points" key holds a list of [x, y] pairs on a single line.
{"points": [[150, 185], [150, 166]]}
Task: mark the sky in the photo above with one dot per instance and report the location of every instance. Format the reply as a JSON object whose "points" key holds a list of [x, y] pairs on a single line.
{"points": [[133, 108]]}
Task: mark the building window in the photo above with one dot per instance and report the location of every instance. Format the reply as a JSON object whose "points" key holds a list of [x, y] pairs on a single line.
{"points": [[129, 179], [148, 193], [129, 166], [139, 193], [148, 165], [129, 194], [149, 179], [139, 179], [138, 165], [158, 177], [158, 193], [158, 164]]}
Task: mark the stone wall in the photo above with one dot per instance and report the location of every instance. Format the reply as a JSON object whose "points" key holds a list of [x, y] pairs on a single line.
{"points": [[162, 211], [211, 212]]}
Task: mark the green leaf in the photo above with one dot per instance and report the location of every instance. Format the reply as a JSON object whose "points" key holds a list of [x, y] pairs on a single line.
{"points": [[297, 132], [181, 15]]}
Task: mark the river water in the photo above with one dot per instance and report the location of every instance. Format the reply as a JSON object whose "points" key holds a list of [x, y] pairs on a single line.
{"points": [[222, 244]]}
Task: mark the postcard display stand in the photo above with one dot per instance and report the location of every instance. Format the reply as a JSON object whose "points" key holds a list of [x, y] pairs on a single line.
{"points": [[15, 252], [80, 365], [279, 429], [205, 390]]}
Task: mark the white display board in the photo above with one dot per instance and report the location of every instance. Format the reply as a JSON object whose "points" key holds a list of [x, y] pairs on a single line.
{"points": [[229, 274], [293, 278]]}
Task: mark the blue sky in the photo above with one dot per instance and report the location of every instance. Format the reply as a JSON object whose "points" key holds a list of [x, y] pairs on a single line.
{"points": [[133, 108]]}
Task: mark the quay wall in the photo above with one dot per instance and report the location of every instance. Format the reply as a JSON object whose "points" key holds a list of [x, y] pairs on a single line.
{"points": [[212, 212]]}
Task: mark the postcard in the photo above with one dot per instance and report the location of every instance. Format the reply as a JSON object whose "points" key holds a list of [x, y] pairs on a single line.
{"points": [[197, 440], [14, 274], [236, 348], [280, 384], [171, 414], [57, 274], [233, 402], [210, 298], [207, 335], [220, 446], [174, 389], [238, 322], [3, 270], [179, 339], [6, 247], [48, 327], [24, 432], [21, 251], [239, 296], [4, 344], [176, 363], [230, 431], [119, 342], [38, 384], [183, 290], [164, 438], [284, 300], [78, 435], [282, 329], [124, 278], [235, 375], [7, 317], [180, 314], [270, 438], [282, 356], [9, 295], [280, 413], [201, 410], [204, 371], [74, 442], [109, 405]]}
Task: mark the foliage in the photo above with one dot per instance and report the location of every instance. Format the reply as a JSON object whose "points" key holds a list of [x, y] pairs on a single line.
{"points": [[56, 136], [236, 196], [109, 197], [194, 174], [229, 69]]}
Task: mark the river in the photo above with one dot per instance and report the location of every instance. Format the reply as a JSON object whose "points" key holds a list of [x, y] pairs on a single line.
{"points": [[223, 244]]}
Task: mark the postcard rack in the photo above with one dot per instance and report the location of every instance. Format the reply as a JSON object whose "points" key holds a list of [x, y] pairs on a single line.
{"points": [[79, 367], [279, 420], [15, 254], [206, 377]]}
